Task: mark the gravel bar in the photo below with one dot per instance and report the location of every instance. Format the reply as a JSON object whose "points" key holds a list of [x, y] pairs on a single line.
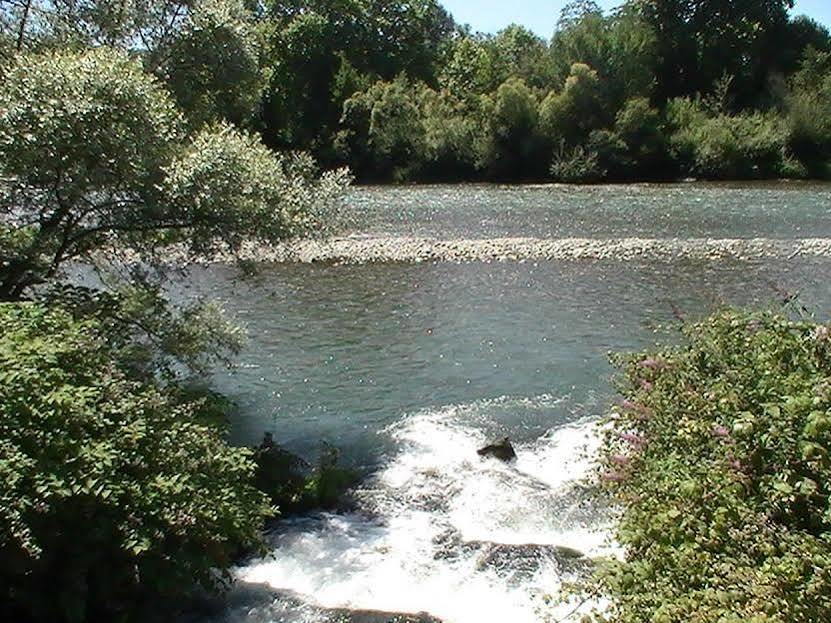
{"points": [[365, 250]]}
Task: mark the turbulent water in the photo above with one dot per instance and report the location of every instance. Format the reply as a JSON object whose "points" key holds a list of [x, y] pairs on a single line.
{"points": [[410, 366]]}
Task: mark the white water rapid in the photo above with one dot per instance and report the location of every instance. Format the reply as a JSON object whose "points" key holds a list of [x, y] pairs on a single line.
{"points": [[442, 531]]}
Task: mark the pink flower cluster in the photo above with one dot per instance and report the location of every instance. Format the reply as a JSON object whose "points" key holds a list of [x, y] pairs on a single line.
{"points": [[636, 441], [612, 477], [652, 363], [642, 410], [720, 431]]}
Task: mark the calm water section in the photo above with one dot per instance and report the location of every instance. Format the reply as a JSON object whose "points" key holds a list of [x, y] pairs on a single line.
{"points": [[339, 352]]}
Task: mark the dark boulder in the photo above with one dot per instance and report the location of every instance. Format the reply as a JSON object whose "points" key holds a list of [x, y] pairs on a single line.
{"points": [[502, 450]]}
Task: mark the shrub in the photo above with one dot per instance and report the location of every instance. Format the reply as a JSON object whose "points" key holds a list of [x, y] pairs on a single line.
{"points": [[748, 146], [719, 463], [578, 165], [294, 486], [638, 125], [114, 493]]}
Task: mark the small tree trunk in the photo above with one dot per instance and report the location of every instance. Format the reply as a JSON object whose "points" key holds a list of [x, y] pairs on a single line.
{"points": [[21, 32]]}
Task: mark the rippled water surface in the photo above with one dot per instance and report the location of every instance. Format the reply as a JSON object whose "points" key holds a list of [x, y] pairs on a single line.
{"points": [[779, 210], [409, 367]]}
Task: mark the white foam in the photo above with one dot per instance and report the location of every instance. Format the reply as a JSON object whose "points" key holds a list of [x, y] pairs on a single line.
{"points": [[416, 552]]}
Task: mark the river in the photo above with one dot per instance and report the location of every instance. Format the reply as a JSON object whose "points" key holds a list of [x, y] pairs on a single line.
{"points": [[409, 366]]}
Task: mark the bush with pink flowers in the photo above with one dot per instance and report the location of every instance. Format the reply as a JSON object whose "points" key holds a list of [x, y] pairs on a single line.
{"points": [[718, 463]]}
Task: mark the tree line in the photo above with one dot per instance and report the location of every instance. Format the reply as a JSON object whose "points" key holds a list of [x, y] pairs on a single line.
{"points": [[654, 90]]}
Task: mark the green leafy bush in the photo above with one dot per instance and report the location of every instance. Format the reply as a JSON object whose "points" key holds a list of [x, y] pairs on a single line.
{"points": [[718, 461], [639, 126], [295, 486], [747, 146], [809, 112], [576, 166], [114, 493]]}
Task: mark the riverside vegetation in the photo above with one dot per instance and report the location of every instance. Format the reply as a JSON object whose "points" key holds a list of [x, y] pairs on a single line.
{"points": [[718, 460], [654, 90], [126, 128], [119, 491]]}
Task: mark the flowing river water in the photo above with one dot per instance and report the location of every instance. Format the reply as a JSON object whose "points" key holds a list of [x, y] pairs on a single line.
{"points": [[409, 365]]}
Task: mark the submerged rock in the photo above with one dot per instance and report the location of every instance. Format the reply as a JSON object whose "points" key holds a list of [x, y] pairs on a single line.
{"points": [[520, 563], [260, 603], [502, 450]]}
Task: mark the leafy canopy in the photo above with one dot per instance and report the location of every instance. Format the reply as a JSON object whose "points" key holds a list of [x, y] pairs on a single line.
{"points": [[93, 153]]}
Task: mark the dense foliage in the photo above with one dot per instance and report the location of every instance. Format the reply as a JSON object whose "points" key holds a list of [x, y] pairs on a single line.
{"points": [[720, 462], [114, 490], [398, 91], [128, 145], [93, 152]]}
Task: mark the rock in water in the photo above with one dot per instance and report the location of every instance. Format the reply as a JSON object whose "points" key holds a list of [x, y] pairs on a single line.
{"points": [[502, 450]]}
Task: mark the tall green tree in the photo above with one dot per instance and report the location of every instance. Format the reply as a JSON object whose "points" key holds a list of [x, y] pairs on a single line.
{"points": [[212, 65], [699, 41], [513, 146], [381, 130], [93, 154], [471, 67], [522, 54], [568, 116], [620, 47], [313, 40], [143, 25]]}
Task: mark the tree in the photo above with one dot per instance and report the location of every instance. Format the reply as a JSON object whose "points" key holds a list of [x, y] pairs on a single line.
{"points": [[513, 148], [800, 34], [115, 494], [701, 40], [809, 111], [378, 36], [451, 136], [570, 115], [147, 26], [381, 129], [471, 68], [639, 127], [522, 54], [312, 40], [212, 65], [92, 154], [621, 48]]}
